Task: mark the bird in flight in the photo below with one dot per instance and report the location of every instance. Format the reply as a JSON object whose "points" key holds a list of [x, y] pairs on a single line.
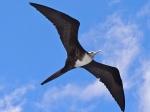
{"points": [[77, 56]]}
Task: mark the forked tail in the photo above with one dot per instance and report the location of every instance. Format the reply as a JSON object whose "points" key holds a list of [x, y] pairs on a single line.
{"points": [[55, 75]]}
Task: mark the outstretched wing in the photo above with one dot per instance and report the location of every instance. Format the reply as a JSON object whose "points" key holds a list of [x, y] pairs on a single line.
{"points": [[110, 76], [66, 26]]}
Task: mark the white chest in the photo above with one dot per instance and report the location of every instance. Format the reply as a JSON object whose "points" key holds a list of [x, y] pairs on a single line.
{"points": [[86, 59]]}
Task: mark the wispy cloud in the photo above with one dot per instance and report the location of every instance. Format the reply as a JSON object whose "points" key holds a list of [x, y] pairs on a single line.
{"points": [[73, 92], [119, 40], [112, 2], [144, 91], [145, 12], [14, 101]]}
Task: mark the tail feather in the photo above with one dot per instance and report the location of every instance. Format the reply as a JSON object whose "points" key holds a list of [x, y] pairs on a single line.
{"points": [[55, 75]]}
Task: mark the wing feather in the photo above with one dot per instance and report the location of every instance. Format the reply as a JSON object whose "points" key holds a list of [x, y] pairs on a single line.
{"points": [[66, 26], [110, 76]]}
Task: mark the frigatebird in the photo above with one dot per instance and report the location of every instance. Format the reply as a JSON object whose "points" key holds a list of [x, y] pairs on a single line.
{"points": [[77, 56]]}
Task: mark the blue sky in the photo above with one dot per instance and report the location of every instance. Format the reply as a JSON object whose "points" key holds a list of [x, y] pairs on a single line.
{"points": [[30, 51]]}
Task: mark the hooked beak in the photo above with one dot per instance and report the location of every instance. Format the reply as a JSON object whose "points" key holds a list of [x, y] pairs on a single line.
{"points": [[97, 52]]}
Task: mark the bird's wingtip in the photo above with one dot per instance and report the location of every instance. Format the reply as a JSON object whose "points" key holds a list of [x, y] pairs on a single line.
{"points": [[32, 4], [42, 83], [123, 109]]}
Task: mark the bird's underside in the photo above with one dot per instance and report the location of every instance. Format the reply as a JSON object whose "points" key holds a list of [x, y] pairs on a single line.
{"points": [[67, 28]]}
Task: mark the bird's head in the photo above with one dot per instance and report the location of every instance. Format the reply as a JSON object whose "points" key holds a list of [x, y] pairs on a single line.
{"points": [[92, 53]]}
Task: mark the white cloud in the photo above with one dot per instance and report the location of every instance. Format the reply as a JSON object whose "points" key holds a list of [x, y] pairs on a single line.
{"points": [[76, 93], [14, 101], [145, 12], [114, 2], [92, 90], [120, 42], [144, 91], [143, 78]]}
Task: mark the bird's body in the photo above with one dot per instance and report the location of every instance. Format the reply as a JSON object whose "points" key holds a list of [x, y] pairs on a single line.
{"points": [[67, 28]]}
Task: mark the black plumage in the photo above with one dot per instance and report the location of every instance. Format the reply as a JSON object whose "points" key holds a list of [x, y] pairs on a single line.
{"points": [[67, 28]]}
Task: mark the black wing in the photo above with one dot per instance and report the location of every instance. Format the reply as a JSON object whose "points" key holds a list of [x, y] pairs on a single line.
{"points": [[110, 76], [67, 26]]}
